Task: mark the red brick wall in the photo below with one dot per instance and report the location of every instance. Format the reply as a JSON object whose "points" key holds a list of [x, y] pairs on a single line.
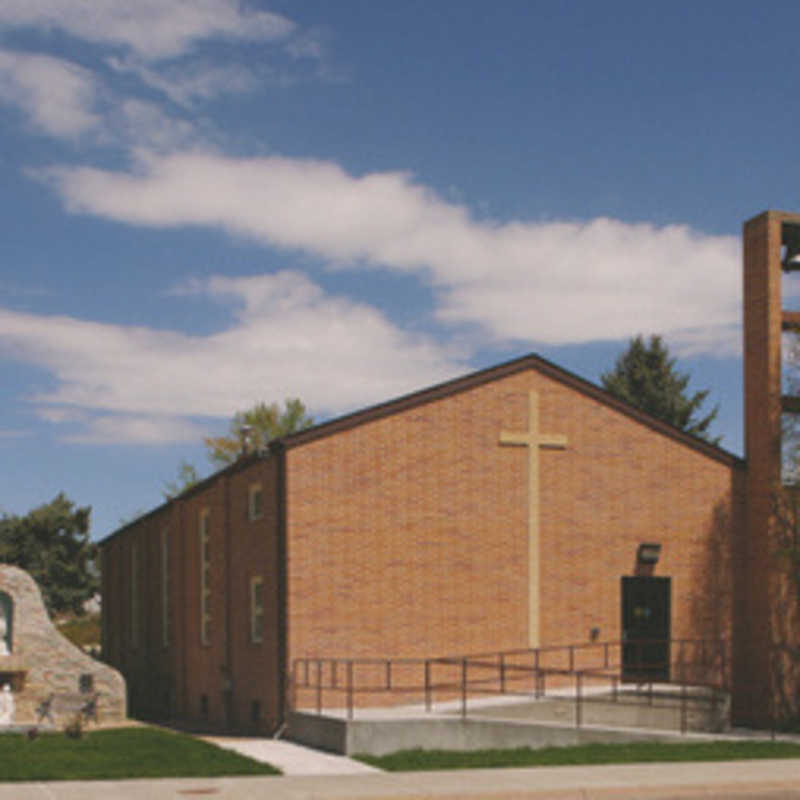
{"points": [[230, 671], [254, 553], [407, 535], [767, 615], [762, 290], [153, 672], [204, 674]]}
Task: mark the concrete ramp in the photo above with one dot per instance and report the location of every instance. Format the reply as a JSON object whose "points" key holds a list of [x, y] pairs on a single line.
{"points": [[379, 737], [660, 714]]}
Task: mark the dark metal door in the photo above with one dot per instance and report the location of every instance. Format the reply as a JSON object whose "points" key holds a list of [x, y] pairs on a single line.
{"points": [[645, 628]]}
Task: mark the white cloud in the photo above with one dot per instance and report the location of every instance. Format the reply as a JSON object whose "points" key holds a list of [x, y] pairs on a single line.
{"points": [[14, 434], [56, 95], [61, 414], [137, 429], [184, 83], [90, 427], [67, 101], [153, 29], [546, 282], [87, 426], [307, 45], [139, 123], [290, 339]]}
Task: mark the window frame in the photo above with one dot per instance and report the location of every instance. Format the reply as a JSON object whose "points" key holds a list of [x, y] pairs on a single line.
{"points": [[204, 540], [256, 609], [166, 610], [255, 513], [135, 598]]}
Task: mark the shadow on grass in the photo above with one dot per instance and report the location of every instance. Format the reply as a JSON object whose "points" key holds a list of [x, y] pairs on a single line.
{"points": [[119, 753]]}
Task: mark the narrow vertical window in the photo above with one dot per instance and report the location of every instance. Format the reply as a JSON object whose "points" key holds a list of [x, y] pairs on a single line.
{"points": [[134, 578], [205, 578], [256, 609], [105, 566], [165, 607], [255, 502]]}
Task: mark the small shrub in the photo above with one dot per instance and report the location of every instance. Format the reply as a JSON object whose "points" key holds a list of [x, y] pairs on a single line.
{"points": [[75, 728], [83, 630]]}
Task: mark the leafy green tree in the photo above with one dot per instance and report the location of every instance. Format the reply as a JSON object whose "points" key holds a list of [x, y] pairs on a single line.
{"points": [[259, 425], [645, 376], [262, 423], [52, 543], [187, 477]]}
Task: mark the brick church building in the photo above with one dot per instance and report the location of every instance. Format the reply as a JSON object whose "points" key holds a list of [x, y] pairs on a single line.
{"points": [[499, 511]]}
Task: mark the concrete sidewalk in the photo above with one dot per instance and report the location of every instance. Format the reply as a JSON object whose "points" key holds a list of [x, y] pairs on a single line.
{"points": [[291, 758], [772, 780]]}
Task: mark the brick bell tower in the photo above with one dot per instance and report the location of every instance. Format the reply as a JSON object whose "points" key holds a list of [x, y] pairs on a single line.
{"points": [[762, 673]]}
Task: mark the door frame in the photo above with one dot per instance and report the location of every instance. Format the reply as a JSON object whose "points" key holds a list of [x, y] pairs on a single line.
{"points": [[646, 660]]}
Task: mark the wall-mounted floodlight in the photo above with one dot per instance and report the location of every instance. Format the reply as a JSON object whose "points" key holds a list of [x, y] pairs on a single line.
{"points": [[648, 553]]}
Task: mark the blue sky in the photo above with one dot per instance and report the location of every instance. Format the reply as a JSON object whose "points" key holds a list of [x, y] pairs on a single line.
{"points": [[205, 204]]}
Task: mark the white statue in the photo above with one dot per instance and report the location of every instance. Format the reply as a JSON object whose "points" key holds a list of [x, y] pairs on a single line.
{"points": [[6, 705], [3, 634]]}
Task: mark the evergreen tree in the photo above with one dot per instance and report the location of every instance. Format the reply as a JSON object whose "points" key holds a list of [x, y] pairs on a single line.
{"points": [[645, 376], [52, 544]]}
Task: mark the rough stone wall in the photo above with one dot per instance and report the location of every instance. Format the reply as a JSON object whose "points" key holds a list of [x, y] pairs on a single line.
{"points": [[51, 663]]}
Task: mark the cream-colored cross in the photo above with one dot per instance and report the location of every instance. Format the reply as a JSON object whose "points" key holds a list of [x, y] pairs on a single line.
{"points": [[533, 440]]}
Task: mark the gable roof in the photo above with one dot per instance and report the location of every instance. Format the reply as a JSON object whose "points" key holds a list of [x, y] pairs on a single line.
{"points": [[447, 389], [239, 464], [484, 376]]}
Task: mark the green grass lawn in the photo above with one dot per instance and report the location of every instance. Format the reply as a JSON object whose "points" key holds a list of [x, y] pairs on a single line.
{"points": [[628, 753], [119, 753]]}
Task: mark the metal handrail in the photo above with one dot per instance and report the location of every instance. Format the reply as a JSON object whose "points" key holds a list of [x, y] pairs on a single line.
{"points": [[327, 671]]}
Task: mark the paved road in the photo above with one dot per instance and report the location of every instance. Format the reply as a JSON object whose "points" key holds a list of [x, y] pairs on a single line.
{"points": [[738, 780]]}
